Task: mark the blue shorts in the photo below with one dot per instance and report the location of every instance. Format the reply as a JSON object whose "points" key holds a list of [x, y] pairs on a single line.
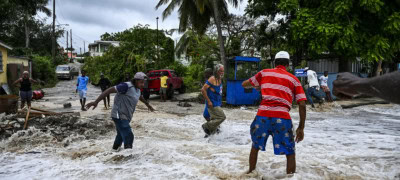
{"points": [[281, 131], [82, 94]]}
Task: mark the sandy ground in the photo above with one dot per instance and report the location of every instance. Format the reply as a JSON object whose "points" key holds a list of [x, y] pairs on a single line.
{"points": [[359, 143]]}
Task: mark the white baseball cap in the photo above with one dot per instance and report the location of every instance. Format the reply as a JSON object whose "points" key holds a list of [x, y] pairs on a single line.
{"points": [[282, 55], [140, 76]]}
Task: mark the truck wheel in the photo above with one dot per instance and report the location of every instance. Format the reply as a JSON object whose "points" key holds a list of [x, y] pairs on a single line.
{"points": [[182, 89], [146, 94], [170, 93]]}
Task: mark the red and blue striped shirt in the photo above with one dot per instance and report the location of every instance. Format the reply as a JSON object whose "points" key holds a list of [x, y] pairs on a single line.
{"points": [[278, 88]]}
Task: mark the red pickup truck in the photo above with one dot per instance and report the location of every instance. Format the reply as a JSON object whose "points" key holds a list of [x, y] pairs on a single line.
{"points": [[153, 85]]}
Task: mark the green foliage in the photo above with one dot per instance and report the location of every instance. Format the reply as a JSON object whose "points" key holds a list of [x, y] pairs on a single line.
{"points": [[179, 68], [143, 41], [43, 70], [137, 53], [194, 78], [369, 29]]}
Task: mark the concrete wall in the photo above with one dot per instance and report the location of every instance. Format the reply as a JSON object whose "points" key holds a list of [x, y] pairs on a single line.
{"points": [[3, 72], [17, 60]]}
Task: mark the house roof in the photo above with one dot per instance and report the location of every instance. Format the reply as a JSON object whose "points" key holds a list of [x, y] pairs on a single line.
{"points": [[5, 45], [20, 57], [114, 43]]}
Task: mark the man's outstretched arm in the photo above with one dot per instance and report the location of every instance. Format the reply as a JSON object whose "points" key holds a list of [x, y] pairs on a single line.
{"points": [[385, 87], [101, 97]]}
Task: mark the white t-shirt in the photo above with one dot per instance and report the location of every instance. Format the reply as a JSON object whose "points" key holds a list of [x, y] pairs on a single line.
{"points": [[312, 78], [324, 80]]}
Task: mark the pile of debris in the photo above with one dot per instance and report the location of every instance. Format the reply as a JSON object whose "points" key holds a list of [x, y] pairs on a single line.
{"points": [[58, 125]]}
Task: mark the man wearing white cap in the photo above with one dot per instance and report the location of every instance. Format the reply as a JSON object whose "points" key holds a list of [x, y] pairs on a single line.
{"points": [[278, 88], [128, 95]]}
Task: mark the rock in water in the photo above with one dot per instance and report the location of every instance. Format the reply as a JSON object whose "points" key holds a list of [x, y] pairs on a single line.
{"points": [[16, 125], [67, 105], [21, 120]]}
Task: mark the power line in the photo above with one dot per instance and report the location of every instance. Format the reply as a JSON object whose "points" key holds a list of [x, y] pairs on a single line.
{"points": [[59, 10]]}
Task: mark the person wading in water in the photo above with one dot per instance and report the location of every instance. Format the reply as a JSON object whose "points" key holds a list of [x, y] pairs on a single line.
{"points": [[128, 95], [212, 92]]}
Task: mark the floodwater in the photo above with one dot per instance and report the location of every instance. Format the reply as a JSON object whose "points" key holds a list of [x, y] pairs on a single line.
{"points": [[357, 143]]}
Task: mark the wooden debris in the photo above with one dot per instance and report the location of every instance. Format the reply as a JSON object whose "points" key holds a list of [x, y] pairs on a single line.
{"points": [[27, 118]]}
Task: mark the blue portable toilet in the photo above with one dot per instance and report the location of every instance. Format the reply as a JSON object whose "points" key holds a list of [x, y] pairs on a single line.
{"points": [[240, 69]]}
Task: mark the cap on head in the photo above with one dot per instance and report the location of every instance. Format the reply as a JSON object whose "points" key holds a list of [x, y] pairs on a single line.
{"points": [[282, 55], [25, 72], [306, 68], [140, 76]]}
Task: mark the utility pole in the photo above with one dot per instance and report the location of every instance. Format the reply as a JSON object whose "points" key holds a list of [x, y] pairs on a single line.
{"points": [[67, 46], [71, 46], [84, 47], [80, 50], [53, 39], [158, 53]]}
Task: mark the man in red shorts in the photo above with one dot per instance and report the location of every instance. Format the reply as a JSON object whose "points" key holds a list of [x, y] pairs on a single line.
{"points": [[278, 89]]}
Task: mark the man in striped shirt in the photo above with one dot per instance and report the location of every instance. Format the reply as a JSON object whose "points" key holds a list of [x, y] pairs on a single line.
{"points": [[278, 88]]}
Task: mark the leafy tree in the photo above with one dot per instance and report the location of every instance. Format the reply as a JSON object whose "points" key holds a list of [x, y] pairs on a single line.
{"points": [[135, 53], [346, 29], [198, 14], [18, 21], [143, 41]]}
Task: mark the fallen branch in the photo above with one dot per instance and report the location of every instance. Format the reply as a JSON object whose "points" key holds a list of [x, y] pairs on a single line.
{"points": [[41, 110], [27, 118]]}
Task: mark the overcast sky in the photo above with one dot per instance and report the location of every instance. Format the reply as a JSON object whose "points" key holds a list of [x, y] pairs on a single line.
{"points": [[89, 19]]}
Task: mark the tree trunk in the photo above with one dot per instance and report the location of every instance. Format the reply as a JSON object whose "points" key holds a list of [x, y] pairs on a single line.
{"points": [[217, 20], [26, 33]]}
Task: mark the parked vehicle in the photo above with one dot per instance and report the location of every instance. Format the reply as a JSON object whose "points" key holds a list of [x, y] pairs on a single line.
{"points": [[66, 72], [153, 84]]}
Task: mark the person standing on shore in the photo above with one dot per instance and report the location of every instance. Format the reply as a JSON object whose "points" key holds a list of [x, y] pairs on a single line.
{"points": [[278, 88], [81, 87], [324, 86], [104, 84], [25, 90], [163, 86]]}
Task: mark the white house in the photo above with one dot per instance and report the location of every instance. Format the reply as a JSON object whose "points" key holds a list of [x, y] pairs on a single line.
{"points": [[99, 47]]}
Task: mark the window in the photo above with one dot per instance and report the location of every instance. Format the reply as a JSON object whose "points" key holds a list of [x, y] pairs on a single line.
{"points": [[1, 61]]}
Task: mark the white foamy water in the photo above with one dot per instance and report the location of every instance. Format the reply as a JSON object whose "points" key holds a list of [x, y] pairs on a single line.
{"points": [[358, 143]]}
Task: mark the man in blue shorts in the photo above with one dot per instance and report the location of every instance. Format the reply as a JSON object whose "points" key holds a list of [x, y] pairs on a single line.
{"points": [[278, 89]]}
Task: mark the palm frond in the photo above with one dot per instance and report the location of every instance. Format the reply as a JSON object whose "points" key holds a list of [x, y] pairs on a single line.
{"points": [[170, 8], [45, 10], [161, 2]]}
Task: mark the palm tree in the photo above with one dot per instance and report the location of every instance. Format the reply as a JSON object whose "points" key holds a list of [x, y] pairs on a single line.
{"points": [[29, 9], [198, 14]]}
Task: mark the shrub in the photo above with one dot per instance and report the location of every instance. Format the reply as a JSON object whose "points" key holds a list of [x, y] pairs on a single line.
{"points": [[44, 70]]}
